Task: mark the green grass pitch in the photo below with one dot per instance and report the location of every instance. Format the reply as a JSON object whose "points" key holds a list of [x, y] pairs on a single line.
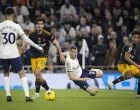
{"points": [[73, 100]]}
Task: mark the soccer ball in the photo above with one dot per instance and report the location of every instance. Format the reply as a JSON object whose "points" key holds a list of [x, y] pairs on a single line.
{"points": [[50, 95]]}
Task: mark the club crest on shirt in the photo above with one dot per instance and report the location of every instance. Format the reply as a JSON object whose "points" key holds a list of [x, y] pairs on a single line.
{"points": [[44, 40], [39, 40]]}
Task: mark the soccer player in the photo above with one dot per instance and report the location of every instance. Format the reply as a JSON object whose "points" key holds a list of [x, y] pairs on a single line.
{"points": [[127, 64], [138, 91], [9, 33], [38, 59], [78, 75], [137, 55]]}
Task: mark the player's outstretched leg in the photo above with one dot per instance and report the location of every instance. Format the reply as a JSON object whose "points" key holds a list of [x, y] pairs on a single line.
{"points": [[126, 76], [138, 91], [111, 84]]}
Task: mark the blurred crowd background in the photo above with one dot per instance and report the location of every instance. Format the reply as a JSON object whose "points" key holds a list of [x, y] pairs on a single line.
{"points": [[104, 24]]}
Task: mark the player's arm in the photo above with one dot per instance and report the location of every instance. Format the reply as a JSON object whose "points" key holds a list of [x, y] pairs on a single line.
{"points": [[72, 77], [23, 48], [127, 56], [26, 39], [62, 58], [30, 42]]}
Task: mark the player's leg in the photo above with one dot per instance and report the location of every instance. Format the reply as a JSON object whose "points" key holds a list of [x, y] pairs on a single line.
{"points": [[93, 73], [37, 83], [6, 65], [92, 91], [83, 85], [136, 74], [138, 91], [7, 86], [99, 73], [17, 66], [127, 74], [40, 69], [39, 79]]}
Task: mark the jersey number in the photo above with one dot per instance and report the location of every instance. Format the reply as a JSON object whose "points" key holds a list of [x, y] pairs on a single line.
{"points": [[9, 38], [91, 72]]}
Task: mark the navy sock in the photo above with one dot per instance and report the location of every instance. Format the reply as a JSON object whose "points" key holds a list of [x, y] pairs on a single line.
{"points": [[44, 84], [138, 91], [120, 79], [37, 86]]}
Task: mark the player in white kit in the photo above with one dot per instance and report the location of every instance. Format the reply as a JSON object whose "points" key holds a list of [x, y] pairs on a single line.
{"points": [[9, 54], [78, 75]]}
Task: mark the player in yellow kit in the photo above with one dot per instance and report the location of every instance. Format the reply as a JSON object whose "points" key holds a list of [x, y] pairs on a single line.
{"points": [[127, 64], [38, 59]]}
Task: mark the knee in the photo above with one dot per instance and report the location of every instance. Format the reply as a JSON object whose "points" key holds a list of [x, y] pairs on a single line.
{"points": [[38, 75], [99, 73], [92, 93], [128, 75], [21, 73]]}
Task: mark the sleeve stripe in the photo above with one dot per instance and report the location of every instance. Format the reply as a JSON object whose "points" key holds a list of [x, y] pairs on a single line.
{"points": [[47, 32], [32, 31]]}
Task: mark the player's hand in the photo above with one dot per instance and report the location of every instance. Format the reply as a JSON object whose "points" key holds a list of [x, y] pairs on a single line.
{"points": [[62, 58], [41, 49], [21, 51]]}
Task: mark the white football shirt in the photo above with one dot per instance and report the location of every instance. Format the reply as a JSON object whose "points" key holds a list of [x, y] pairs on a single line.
{"points": [[72, 65], [9, 32]]}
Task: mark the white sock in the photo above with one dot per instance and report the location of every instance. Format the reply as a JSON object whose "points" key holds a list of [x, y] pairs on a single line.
{"points": [[7, 86], [25, 86]]}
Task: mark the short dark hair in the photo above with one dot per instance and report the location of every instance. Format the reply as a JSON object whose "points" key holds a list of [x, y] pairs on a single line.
{"points": [[39, 19], [73, 47], [135, 32], [9, 11]]}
